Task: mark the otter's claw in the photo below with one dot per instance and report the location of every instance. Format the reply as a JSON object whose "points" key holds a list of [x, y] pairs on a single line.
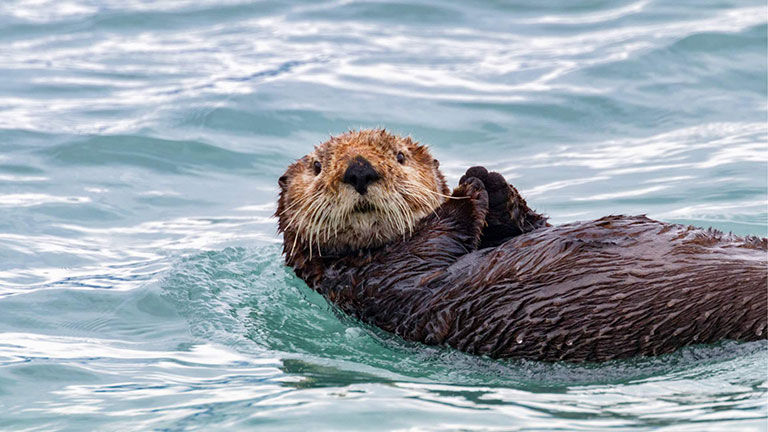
{"points": [[504, 206], [498, 189], [499, 194]]}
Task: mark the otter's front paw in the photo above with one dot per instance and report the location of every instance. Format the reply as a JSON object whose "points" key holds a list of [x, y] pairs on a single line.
{"points": [[500, 222], [499, 194], [474, 189]]}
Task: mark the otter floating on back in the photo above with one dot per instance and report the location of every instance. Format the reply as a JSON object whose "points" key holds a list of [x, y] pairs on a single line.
{"points": [[368, 223]]}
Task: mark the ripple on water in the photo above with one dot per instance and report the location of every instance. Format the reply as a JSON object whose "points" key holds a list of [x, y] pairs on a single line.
{"points": [[246, 299], [141, 286]]}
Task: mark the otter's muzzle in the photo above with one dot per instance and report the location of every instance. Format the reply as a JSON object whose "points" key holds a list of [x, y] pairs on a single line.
{"points": [[360, 174]]}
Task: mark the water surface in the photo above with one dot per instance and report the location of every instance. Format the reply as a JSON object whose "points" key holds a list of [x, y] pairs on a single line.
{"points": [[141, 282]]}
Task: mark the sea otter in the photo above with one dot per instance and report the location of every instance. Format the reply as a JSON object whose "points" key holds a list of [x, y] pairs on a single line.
{"points": [[368, 223]]}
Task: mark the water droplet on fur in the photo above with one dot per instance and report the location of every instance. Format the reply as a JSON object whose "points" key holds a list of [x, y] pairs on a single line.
{"points": [[671, 303], [759, 332], [695, 337], [519, 339], [569, 342]]}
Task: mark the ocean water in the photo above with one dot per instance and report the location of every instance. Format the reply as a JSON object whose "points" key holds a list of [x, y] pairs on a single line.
{"points": [[141, 281]]}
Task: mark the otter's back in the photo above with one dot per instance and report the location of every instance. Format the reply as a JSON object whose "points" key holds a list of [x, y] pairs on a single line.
{"points": [[615, 287]]}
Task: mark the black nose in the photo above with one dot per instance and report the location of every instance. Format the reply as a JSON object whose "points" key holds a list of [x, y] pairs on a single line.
{"points": [[360, 174]]}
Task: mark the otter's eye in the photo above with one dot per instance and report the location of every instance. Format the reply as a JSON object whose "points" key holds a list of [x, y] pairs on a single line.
{"points": [[317, 167], [400, 157]]}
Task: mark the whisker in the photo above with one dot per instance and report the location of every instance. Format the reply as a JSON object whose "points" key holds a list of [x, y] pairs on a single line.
{"points": [[422, 188]]}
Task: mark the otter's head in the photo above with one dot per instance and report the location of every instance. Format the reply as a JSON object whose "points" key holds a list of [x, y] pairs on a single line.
{"points": [[357, 190]]}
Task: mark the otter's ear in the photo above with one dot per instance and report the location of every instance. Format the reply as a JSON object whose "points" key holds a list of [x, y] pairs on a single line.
{"points": [[283, 182]]}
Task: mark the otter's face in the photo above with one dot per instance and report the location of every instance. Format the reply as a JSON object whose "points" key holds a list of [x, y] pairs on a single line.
{"points": [[358, 190]]}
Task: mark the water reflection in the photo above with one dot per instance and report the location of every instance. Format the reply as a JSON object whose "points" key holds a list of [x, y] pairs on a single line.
{"points": [[141, 282]]}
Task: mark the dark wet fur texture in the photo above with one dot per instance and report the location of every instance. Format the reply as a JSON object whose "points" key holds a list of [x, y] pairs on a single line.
{"points": [[496, 279]]}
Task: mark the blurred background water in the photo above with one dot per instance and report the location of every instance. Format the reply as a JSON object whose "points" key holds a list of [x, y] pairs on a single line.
{"points": [[141, 284]]}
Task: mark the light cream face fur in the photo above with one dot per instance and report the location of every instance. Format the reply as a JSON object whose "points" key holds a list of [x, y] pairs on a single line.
{"points": [[317, 210]]}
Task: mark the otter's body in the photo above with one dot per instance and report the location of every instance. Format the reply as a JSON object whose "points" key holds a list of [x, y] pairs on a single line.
{"points": [[485, 274], [612, 288]]}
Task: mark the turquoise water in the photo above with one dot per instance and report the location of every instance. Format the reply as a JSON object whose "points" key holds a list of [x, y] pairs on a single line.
{"points": [[141, 284]]}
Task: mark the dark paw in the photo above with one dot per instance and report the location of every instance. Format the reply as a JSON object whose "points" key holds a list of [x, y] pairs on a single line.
{"points": [[477, 172], [500, 223], [499, 193], [470, 200], [471, 187]]}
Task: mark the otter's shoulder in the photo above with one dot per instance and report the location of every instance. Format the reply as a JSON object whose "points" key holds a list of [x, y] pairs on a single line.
{"points": [[609, 240], [609, 230], [623, 229]]}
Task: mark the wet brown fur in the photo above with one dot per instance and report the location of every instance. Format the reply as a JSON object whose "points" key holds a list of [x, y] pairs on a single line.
{"points": [[494, 278]]}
